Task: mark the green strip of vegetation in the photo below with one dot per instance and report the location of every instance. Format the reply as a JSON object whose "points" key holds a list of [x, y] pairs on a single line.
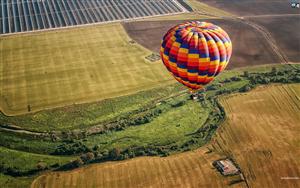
{"points": [[86, 115], [17, 163], [12, 182]]}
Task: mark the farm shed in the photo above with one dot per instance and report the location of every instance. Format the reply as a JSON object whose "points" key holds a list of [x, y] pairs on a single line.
{"points": [[226, 167]]}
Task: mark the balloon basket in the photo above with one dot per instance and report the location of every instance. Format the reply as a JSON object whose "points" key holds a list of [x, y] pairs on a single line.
{"points": [[197, 94]]}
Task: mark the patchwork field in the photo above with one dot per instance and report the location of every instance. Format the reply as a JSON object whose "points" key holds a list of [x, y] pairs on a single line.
{"points": [[262, 134], [52, 86], [249, 47], [253, 7], [266, 151], [51, 69]]}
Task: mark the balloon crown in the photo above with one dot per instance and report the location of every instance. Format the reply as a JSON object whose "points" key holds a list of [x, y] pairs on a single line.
{"points": [[197, 26]]}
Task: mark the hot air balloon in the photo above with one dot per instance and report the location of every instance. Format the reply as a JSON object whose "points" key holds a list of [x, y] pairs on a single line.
{"points": [[195, 53]]}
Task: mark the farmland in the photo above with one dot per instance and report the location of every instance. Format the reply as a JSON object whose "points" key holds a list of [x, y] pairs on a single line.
{"points": [[269, 143], [76, 96], [136, 130], [253, 7], [250, 48], [52, 69], [288, 43], [262, 134], [190, 169], [258, 36]]}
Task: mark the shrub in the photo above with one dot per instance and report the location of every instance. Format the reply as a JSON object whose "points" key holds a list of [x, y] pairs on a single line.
{"points": [[235, 78], [212, 87], [178, 104], [105, 153], [96, 148], [56, 165], [73, 147], [115, 153], [245, 88], [296, 78], [246, 74], [41, 166], [227, 80], [78, 162], [87, 157], [274, 71]]}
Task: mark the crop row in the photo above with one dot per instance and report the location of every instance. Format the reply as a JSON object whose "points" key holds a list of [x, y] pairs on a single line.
{"points": [[22, 16]]}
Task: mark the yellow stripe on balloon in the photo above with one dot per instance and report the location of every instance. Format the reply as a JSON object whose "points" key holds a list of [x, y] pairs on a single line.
{"points": [[204, 59], [196, 56]]}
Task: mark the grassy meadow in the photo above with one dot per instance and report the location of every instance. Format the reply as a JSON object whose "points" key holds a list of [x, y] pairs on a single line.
{"points": [[25, 161], [171, 127], [209, 10], [83, 116], [11, 182], [56, 68]]}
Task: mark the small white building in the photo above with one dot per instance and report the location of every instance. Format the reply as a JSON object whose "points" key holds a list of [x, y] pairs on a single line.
{"points": [[226, 167]]}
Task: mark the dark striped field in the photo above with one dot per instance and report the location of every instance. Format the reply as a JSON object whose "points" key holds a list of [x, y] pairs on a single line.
{"points": [[30, 15]]}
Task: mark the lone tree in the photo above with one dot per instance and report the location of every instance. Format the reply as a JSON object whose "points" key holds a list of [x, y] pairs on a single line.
{"points": [[115, 153], [246, 74], [274, 71], [90, 156], [42, 166], [78, 162], [245, 88]]}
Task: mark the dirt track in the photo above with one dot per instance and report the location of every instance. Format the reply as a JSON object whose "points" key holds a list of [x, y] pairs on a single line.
{"points": [[285, 31]]}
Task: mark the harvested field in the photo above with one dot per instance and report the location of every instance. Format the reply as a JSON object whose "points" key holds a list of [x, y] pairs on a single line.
{"points": [[52, 69], [262, 133], [190, 169], [253, 7], [285, 31], [249, 47]]}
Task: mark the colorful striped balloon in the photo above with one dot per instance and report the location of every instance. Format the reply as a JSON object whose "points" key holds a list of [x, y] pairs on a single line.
{"points": [[195, 52]]}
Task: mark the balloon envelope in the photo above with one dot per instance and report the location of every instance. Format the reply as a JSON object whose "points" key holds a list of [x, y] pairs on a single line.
{"points": [[195, 52]]}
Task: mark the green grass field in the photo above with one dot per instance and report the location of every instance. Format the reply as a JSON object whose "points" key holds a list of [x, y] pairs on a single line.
{"points": [[206, 9], [10, 182], [52, 69], [24, 161], [172, 127], [90, 114]]}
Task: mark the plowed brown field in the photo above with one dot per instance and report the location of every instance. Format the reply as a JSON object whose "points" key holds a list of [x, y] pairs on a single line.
{"points": [[253, 7], [249, 46]]}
